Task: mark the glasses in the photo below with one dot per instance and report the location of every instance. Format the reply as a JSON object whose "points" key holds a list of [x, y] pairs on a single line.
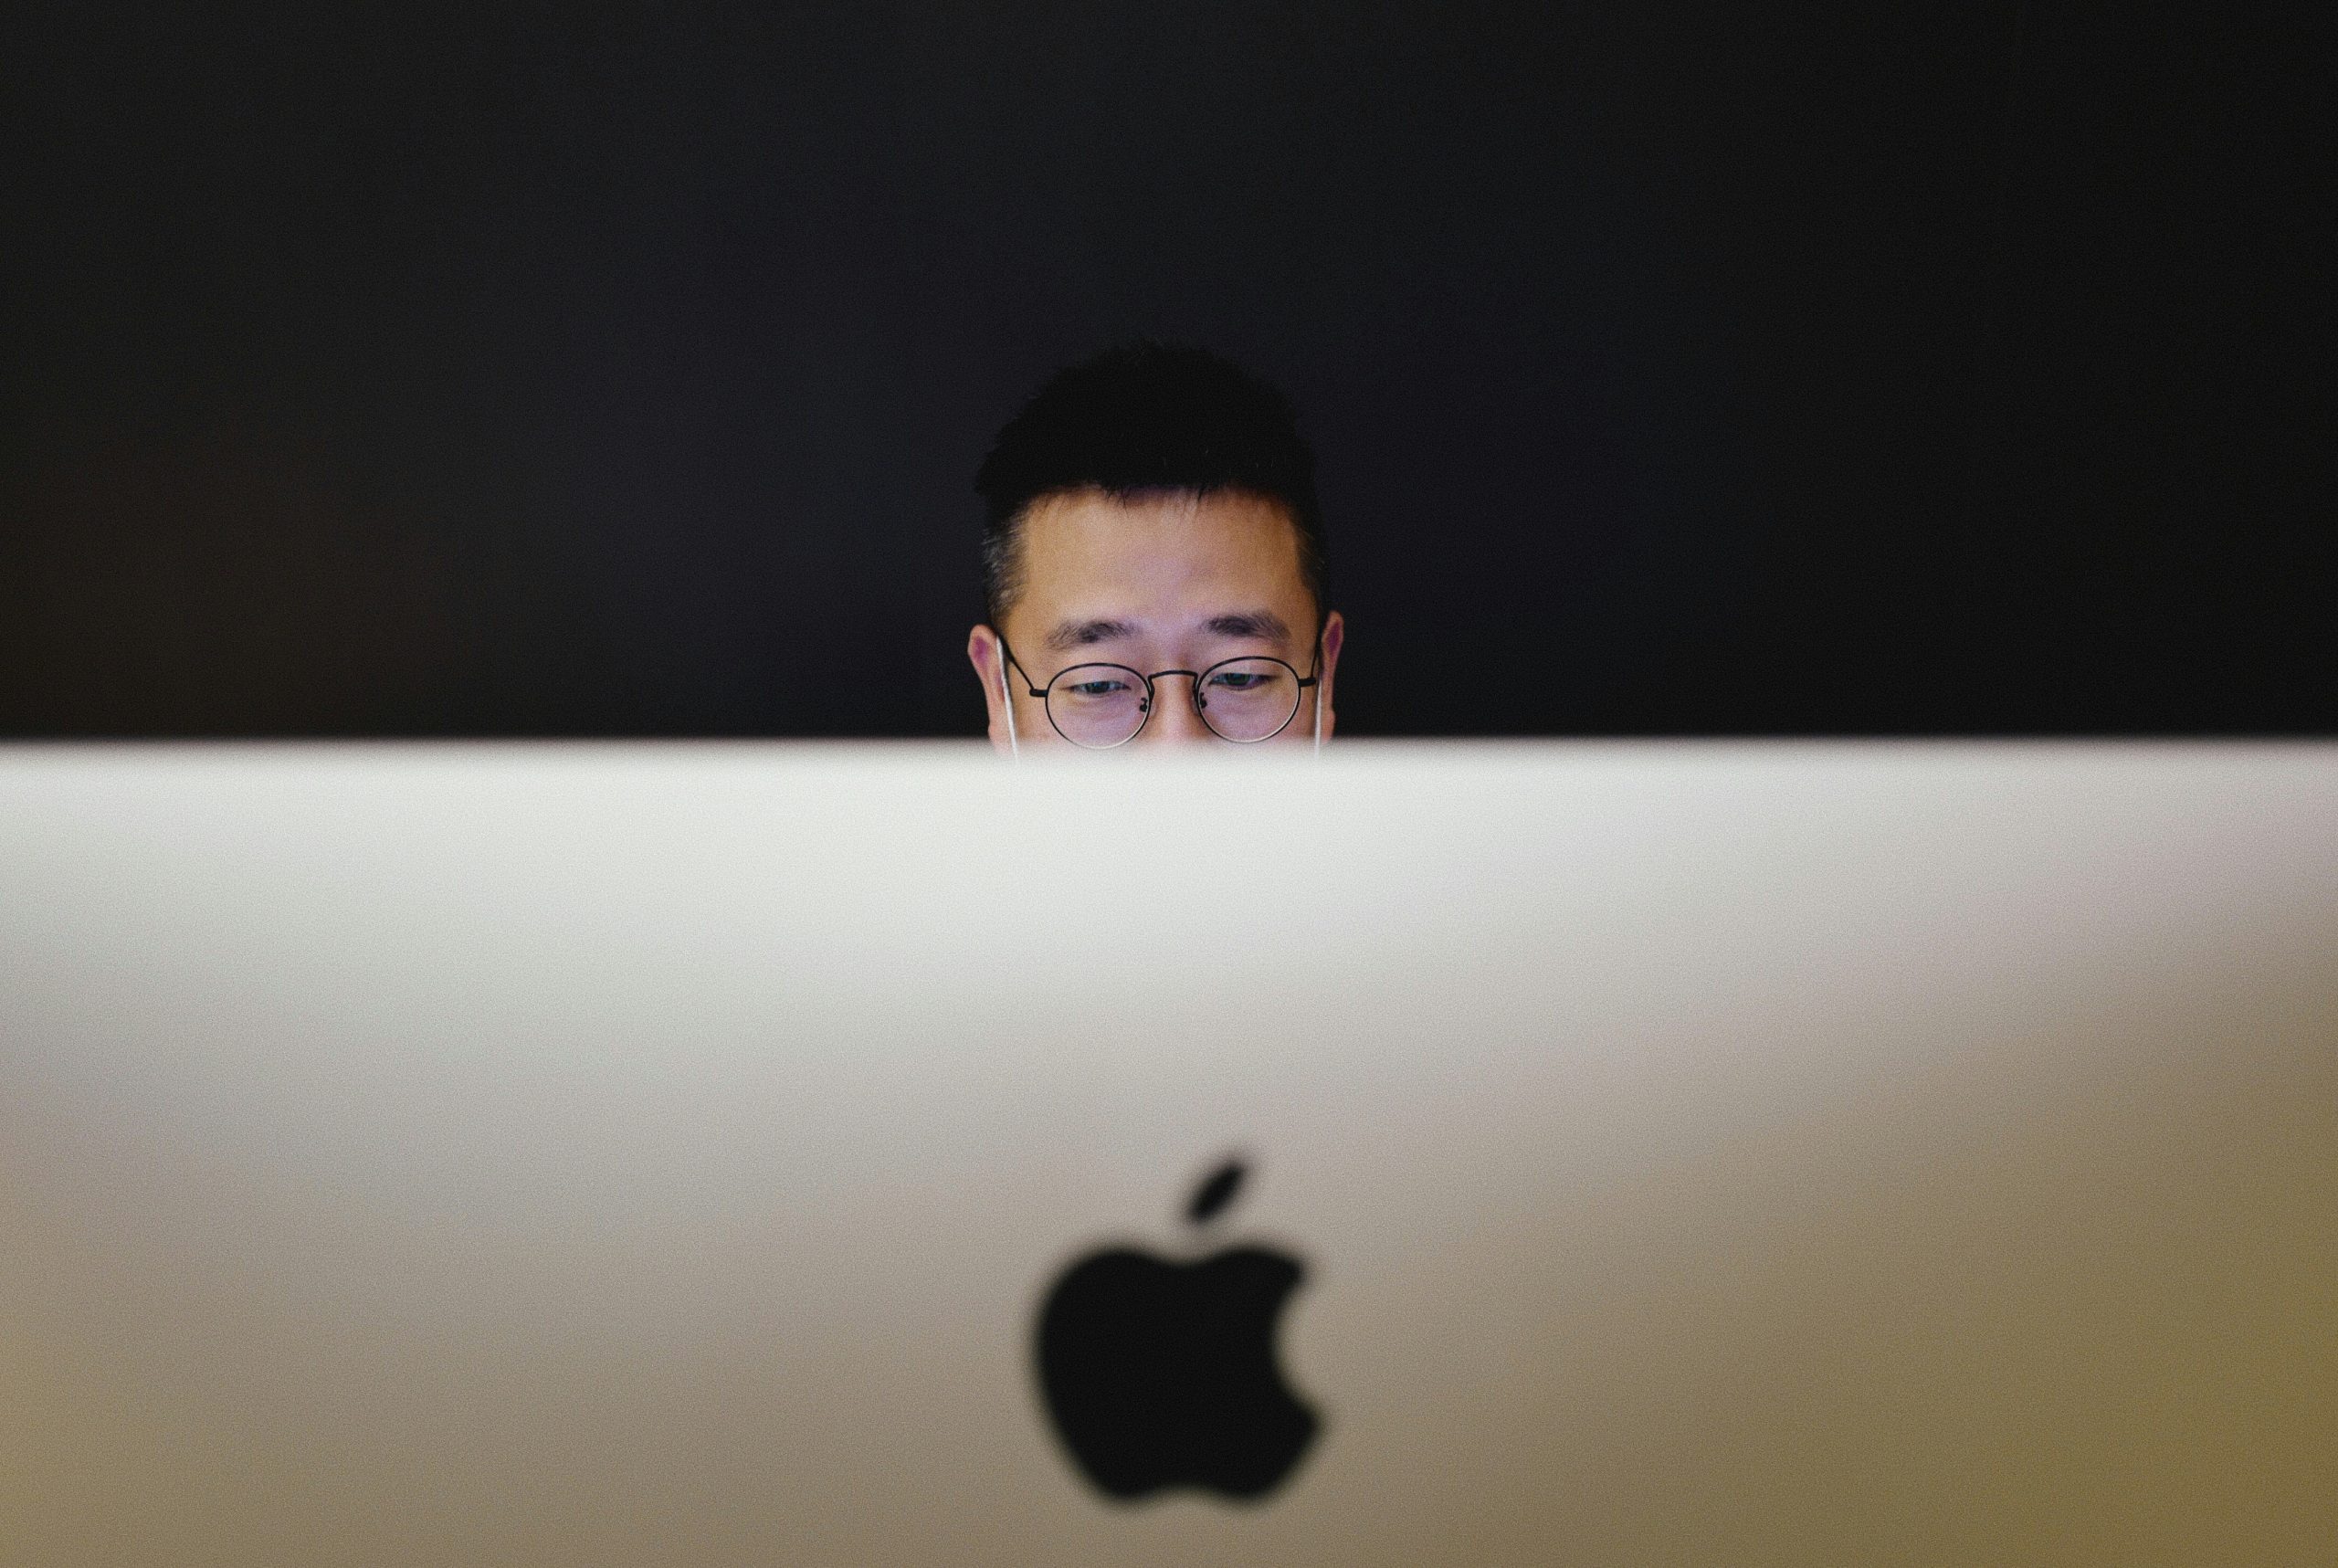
{"points": [[1100, 706]]}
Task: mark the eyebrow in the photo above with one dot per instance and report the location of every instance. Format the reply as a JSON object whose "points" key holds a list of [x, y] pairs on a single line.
{"points": [[1081, 634], [1262, 624]]}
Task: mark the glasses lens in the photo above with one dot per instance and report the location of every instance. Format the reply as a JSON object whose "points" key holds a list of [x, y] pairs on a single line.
{"points": [[1247, 699], [1096, 704]]}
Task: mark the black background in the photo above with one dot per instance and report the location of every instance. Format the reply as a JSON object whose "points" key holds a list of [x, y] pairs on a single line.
{"points": [[1675, 367]]}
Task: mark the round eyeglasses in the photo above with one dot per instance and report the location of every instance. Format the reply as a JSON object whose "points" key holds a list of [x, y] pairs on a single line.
{"points": [[1246, 700]]}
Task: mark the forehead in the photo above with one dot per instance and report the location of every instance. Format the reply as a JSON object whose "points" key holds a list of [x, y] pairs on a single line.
{"points": [[1085, 553]]}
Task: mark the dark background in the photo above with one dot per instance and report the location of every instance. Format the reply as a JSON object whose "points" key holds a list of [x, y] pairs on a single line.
{"points": [[1675, 366]]}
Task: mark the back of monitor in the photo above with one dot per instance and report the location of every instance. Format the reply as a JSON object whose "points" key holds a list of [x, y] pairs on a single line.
{"points": [[638, 1154]]}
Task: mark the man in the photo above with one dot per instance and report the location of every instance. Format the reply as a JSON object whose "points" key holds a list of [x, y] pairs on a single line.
{"points": [[1153, 563]]}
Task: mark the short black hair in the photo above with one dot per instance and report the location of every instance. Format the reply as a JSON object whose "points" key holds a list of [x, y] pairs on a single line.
{"points": [[1144, 418]]}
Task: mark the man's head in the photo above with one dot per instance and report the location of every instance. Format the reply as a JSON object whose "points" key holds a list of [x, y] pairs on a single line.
{"points": [[1154, 509]]}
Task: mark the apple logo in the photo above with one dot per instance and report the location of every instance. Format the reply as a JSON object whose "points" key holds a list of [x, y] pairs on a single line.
{"points": [[1159, 1373]]}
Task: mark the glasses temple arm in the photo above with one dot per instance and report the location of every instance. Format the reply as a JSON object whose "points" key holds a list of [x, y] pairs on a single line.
{"points": [[1038, 692]]}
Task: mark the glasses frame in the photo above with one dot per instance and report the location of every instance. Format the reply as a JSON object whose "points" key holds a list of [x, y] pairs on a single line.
{"points": [[1312, 677]]}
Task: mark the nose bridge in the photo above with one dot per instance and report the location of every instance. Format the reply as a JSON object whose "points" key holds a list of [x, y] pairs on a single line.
{"points": [[1175, 716]]}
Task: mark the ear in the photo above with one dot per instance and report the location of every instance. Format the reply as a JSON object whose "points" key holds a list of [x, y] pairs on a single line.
{"points": [[1335, 631], [983, 651]]}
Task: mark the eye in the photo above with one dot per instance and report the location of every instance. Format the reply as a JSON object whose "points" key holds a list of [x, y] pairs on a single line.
{"points": [[1240, 679], [1103, 685]]}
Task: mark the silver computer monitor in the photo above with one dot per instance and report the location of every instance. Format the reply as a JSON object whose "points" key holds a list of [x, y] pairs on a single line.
{"points": [[1765, 1153]]}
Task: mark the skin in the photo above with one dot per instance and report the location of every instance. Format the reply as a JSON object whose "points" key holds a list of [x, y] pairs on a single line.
{"points": [[1163, 581]]}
